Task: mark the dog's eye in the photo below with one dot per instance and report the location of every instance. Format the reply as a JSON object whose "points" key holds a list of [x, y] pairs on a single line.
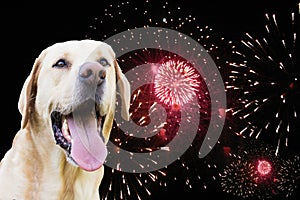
{"points": [[61, 63], [104, 62]]}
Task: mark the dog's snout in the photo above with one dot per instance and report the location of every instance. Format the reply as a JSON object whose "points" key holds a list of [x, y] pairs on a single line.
{"points": [[92, 73]]}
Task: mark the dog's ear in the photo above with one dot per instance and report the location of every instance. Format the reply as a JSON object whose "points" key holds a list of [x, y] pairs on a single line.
{"points": [[124, 91], [28, 94]]}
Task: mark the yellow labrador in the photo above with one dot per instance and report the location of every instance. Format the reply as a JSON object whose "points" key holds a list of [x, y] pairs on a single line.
{"points": [[67, 105]]}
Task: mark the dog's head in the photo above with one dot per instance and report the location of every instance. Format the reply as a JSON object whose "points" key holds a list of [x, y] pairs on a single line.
{"points": [[72, 90]]}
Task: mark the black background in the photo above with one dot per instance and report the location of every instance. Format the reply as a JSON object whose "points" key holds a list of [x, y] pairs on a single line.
{"points": [[26, 30]]}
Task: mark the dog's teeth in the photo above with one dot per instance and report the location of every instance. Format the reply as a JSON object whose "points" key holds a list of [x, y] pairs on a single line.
{"points": [[65, 130]]}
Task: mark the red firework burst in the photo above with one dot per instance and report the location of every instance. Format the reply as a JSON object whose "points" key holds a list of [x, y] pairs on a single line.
{"points": [[176, 82], [264, 167]]}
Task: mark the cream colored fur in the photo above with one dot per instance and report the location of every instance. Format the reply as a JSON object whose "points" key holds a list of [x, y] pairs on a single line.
{"points": [[35, 168]]}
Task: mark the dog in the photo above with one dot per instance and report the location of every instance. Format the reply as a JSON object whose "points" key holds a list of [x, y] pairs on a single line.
{"points": [[67, 104]]}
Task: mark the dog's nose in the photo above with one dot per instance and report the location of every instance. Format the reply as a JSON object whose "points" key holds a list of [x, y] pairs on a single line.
{"points": [[92, 73]]}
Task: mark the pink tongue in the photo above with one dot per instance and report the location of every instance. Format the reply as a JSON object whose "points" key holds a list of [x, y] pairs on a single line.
{"points": [[88, 150]]}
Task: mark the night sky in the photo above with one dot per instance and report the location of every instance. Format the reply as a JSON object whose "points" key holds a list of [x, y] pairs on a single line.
{"points": [[26, 31]]}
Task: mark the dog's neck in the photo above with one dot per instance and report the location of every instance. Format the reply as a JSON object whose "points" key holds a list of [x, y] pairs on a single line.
{"points": [[44, 169]]}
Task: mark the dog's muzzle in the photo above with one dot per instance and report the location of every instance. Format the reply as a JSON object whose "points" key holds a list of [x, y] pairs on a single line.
{"points": [[79, 129]]}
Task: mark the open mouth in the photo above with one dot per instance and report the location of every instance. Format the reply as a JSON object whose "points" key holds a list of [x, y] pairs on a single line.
{"points": [[79, 134]]}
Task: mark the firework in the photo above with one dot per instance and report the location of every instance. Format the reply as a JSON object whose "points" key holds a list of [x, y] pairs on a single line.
{"points": [[256, 172], [252, 171], [237, 179], [264, 167], [161, 123], [176, 83], [289, 176], [266, 83]]}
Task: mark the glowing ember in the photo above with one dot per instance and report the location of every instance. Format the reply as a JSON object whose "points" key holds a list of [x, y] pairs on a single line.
{"points": [[176, 83], [264, 167]]}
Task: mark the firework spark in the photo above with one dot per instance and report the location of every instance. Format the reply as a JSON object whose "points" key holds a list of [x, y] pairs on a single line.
{"points": [[267, 83]]}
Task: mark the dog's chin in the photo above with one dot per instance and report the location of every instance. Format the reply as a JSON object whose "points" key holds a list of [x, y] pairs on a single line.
{"points": [[79, 134]]}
